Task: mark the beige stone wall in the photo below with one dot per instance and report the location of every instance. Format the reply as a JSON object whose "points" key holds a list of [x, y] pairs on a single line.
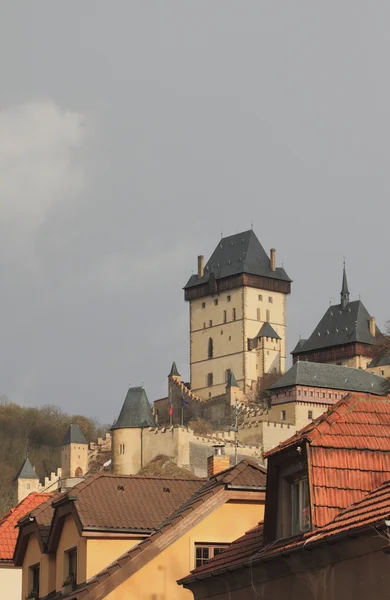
{"points": [[74, 460], [11, 583], [25, 487], [227, 341], [126, 451], [383, 371], [253, 307]]}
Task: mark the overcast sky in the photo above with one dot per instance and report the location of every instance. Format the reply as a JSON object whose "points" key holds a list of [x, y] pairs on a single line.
{"points": [[133, 133]]}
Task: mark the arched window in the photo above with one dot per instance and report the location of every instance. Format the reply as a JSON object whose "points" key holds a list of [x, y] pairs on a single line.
{"points": [[79, 472], [210, 349]]}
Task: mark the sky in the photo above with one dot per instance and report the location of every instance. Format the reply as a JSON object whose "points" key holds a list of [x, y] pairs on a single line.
{"points": [[133, 133]]}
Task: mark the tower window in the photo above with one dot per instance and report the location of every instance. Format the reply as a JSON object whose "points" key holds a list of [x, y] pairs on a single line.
{"points": [[204, 325], [309, 414], [228, 298], [121, 448], [203, 304], [216, 302], [210, 379], [234, 314], [283, 415], [210, 323], [210, 349], [270, 299], [227, 373], [261, 297], [28, 486], [224, 316], [258, 314]]}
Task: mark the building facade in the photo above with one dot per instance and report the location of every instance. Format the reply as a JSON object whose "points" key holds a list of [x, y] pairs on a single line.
{"points": [[237, 306]]}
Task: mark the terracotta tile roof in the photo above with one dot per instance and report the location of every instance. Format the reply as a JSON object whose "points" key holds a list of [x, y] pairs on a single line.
{"points": [[206, 499], [8, 533], [368, 512], [129, 501], [349, 453]]}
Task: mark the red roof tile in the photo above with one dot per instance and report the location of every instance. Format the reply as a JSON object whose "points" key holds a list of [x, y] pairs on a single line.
{"points": [[8, 533], [349, 453], [369, 511]]}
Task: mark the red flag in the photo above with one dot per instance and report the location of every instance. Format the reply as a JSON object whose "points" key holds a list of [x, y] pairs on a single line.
{"points": [[170, 410]]}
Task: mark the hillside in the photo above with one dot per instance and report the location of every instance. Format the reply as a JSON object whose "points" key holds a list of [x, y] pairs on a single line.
{"points": [[38, 432]]}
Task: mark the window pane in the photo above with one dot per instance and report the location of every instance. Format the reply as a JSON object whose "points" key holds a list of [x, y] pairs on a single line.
{"points": [[305, 509]]}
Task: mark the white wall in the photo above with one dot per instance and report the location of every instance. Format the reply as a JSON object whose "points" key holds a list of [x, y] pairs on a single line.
{"points": [[10, 583]]}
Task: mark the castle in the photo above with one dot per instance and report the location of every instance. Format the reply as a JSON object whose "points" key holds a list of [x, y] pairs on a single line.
{"points": [[237, 307]]}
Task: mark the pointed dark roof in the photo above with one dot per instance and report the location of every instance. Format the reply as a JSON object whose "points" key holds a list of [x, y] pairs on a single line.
{"points": [[26, 471], [136, 410], [266, 330], [239, 253], [334, 377], [174, 372], [381, 361], [299, 345], [231, 382], [341, 326], [74, 435], [344, 295]]}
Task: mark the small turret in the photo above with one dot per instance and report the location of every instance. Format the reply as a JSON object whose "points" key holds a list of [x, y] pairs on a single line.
{"points": [[174, 372], [26, 481]]}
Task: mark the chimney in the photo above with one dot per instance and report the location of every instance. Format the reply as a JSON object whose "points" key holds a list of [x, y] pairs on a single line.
{"points": [[200, 266], [273, 259], [218, 461], [372, 326]]}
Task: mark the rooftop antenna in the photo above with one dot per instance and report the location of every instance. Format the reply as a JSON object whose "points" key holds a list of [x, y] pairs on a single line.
{"points": [[221, 233], [252, 225]]}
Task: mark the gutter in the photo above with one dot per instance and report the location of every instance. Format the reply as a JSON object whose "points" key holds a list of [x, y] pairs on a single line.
{"points": [[119, 530], [251, 488]]}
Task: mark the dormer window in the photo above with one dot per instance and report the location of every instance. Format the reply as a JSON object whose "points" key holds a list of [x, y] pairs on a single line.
{"points": [[300, 508]]}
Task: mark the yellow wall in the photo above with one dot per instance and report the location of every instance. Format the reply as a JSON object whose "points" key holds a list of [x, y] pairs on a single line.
{"points": [[69, 539], [11, 583], [31, 557], [102, 552], [157, 580], [230, 339], [383, 371]]}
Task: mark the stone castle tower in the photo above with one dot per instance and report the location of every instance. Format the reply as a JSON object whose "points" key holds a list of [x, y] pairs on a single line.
{"points": [[74, 453], [127, 432], [25, 481], [237, 316]]}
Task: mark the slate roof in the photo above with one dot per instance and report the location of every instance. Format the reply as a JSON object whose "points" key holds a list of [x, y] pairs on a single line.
{"points": [[74, 435], [266, 330], [349, 453], [174, 372], [136, 410], [299, 346], [26, 471], [340, 326], [370, 511], [8, 532], [206, 499], [381, 361], [136, 502], [235, 254], [335, 377], [232, 381]]}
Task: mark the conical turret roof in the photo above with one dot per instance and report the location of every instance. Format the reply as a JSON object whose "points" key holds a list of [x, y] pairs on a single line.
{"points": [[26, 471], [231, 382], [136, 410], [174, 372]]}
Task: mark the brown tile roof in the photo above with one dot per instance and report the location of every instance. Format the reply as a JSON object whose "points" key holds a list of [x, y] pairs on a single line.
{"points": [[369, 512], [349, 453], [212, 494], [8, 533], [127, 502]]}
